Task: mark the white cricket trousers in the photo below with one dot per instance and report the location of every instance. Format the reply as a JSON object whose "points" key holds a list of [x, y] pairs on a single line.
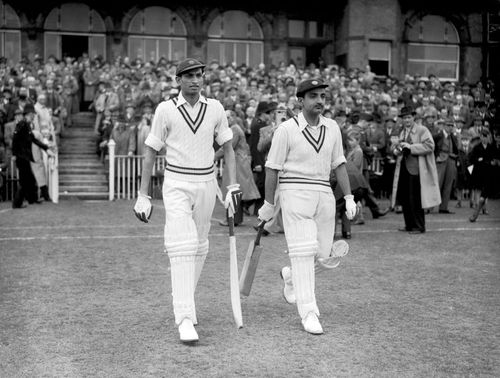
{"points": [[188, 211], [309, 223]]}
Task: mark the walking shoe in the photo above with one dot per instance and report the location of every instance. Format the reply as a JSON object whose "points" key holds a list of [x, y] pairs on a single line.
{"points": [[288, 292], [187, 332], [339, 249], [311, 324]]}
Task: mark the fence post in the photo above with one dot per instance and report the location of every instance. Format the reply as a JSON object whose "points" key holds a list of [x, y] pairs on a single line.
{"points": [[111, 152]]}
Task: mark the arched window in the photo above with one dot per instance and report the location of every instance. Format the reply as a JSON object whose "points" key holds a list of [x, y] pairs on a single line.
{"points": [[433, 48], [73, 29], [10, 35], [236, 37], [157, 32]]}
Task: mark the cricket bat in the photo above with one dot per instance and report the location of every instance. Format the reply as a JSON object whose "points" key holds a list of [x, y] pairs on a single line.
{"points": [[233, 274], [251, 262]]}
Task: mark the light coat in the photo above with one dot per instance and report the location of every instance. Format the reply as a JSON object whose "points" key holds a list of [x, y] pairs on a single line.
{"points": [[422, 145]]}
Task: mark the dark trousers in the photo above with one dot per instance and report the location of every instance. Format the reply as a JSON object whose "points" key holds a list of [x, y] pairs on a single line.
{"points": [[410, 200], [27, 188]]}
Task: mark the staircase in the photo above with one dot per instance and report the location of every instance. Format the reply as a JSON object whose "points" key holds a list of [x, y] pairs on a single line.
{"points": [[81, 174]]}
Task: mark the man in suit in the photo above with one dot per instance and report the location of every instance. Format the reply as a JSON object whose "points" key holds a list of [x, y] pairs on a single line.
{"points": [[446, 152], [264, 116]]}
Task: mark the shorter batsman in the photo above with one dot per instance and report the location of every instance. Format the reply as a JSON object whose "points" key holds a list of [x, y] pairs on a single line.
{"points": [[304, 151]]}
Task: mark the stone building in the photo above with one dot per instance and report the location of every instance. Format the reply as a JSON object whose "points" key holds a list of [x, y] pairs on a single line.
{"points": [[454, 42]]}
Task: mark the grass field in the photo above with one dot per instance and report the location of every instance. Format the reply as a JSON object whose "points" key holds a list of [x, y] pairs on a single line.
{"points": [[85, 292]]}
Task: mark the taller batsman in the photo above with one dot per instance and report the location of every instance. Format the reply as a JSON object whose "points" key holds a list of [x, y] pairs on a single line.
{"points": [[304, 152], [187, 127]]}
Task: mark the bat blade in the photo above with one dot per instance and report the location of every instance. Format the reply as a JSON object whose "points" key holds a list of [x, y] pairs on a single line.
{"points": [[251, 262], [233, 276]]}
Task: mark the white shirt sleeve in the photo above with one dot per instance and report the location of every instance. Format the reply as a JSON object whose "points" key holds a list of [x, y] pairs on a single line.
{"points": [[279, 150], [338, 156], [158, 134], [223, 132]]}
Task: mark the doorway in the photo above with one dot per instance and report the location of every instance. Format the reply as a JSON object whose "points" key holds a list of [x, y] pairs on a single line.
{"points": [[74, 45]]}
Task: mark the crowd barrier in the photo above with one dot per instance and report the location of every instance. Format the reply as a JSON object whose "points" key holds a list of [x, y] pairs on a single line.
{"points": [[125, 174]]}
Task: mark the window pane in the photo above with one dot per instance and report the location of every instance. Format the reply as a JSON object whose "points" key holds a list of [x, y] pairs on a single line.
{"points": [[255, 57], [97, 22], [255, 29], [178, 26], [379, 67], [157, 20], [12, 46], [213, 51], [228, 52], [52, 42], [11, 18], [296, 29], [379, 50], [51, 20], [136, 23], [150, 47], [441, 70], [235, 24], [298, 55], [313, 29], [163, 48], [429, 52], [178, 49], [135, 49], [241, 53], [97, 46], [214, 29]]}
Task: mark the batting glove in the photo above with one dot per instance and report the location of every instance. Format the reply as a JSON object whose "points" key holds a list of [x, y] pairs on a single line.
{"points": [[143, 208], [266, 212], [233, 198], [350, 206]]}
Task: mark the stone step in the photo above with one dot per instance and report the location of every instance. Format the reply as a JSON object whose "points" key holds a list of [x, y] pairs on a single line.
{"points": [[83, 178], [83, 188], [81, 171], [94, 196], [68, 156], [80, 164]]}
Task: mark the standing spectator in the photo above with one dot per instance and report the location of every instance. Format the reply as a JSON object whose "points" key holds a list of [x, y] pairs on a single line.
{"points": [[244, 175], [144, 126], [446, 153], [90, 78], [55, 104], [22, 140], [482, 158], [105, 99], [263, 117], [416, 183], [462, 186]]}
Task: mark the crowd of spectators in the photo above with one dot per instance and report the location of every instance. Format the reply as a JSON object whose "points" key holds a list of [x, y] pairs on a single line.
{"points": [[124, 93]]}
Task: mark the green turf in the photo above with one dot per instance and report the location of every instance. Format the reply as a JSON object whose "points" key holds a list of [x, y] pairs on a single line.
{"points": [[85, 292]]}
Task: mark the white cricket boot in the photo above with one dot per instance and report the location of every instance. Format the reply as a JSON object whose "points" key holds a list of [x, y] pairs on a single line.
{"points": [[187, 332], [288, 292], [311, 324]]}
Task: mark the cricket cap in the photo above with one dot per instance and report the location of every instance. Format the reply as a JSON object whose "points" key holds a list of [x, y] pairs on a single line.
{"points": [[188, 65], [309, 85]]}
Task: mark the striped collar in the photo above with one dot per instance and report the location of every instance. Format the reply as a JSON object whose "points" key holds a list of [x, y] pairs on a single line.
{"points": [[194, 124], [301, 120], [181, 100]]}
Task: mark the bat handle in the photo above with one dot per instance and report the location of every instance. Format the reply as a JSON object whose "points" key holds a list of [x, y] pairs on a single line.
{"points": [[260, 230], [230, 222]]}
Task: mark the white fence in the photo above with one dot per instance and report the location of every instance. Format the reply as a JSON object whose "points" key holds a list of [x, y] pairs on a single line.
{"points": [[11, 177]]}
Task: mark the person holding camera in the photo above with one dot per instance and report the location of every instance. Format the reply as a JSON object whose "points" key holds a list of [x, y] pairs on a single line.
{"points": [[416, 184]]}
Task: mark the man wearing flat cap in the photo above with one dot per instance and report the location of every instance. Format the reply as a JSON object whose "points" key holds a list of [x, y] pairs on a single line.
{"points": [[415, 185], [305, 150], [186, 127]]}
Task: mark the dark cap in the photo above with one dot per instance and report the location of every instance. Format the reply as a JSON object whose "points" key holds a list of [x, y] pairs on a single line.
{"points": [[309, 85], [406, 110], [265, 107], [29, 108], [188, 65]]}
